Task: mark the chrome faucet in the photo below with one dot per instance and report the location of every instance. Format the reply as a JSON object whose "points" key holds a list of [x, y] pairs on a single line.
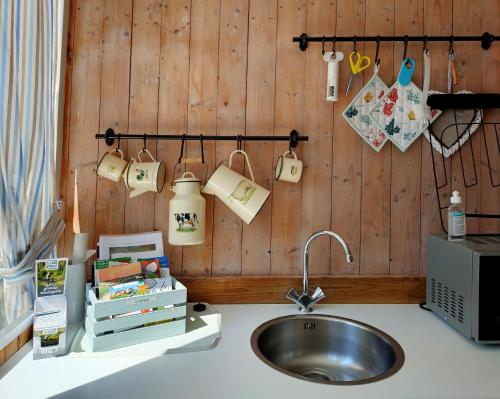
{"points": [[305, 301]]}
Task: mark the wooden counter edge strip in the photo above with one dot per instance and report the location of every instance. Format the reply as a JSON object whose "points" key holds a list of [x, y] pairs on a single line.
{"points": [[272, 289], [16, 344]]}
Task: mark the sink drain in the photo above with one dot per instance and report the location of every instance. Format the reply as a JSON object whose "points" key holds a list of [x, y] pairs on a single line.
{"points": [[319, 375]]}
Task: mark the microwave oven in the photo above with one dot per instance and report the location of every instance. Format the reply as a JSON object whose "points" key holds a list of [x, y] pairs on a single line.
{"points": [[463, 285]]}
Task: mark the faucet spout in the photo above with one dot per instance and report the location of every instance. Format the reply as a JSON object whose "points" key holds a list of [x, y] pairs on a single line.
{"points": [[309, 241], [305, 301]]}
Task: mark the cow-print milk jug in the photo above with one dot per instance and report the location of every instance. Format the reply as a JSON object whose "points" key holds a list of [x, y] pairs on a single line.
{"points": [[186, 224]]}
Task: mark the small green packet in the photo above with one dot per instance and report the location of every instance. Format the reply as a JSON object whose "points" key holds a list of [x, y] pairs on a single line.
{"points": [[105, 263]]}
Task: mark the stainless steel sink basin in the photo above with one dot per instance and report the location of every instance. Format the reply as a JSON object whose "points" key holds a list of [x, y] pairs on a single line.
{"points": [[327, 349]]}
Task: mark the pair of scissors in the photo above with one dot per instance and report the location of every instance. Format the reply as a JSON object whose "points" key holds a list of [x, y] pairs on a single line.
{"points": [[358, 64]]}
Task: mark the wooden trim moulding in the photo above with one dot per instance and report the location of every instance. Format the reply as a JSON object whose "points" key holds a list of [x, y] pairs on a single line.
{"points": [[15, 345], [338, 289]]}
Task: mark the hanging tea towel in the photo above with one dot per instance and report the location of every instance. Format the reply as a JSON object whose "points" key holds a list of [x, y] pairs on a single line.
{"points": [[357, 112]]}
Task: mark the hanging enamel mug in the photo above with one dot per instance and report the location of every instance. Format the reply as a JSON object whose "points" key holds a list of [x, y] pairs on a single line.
{"points": [[110, 166], [186, 225], [142, 177], [288, 169], [243, 196]]}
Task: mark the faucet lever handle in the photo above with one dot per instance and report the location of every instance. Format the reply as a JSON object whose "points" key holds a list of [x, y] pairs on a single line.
{"points": [[292, 295], [318, 295]]}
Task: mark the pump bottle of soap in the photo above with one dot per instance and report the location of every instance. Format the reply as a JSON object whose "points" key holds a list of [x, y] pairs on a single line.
{"points": [[456, 218]]}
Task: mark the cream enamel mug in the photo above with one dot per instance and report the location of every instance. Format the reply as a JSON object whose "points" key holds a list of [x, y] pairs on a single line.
{"points": [[142, 177], [288, 169], [243, 196], [111, 167]]}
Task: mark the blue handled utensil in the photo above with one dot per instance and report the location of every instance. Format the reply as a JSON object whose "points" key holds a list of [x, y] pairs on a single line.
{"points": [[406, 71]]}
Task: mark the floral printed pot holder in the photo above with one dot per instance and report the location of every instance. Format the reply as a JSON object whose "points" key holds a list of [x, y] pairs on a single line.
{"points": [[402, 113], [399, 114], [357, 112]]}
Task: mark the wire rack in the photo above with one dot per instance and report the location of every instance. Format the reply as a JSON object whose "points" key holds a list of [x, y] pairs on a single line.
{"points": [[466, 156]]}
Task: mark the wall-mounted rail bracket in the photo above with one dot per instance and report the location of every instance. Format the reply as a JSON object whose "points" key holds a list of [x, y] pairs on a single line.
{"points": [[303, 41], [108, 136], [486, 40]]}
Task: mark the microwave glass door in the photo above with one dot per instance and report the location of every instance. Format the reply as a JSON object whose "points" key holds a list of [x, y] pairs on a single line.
{"points": [[489, 298]]}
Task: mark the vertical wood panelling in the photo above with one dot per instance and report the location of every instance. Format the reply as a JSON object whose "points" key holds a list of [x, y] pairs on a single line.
{"points": [[346, 184], [172, 108], [376, 167], [231, 101], [256, 242], [202, 115], [467, 20], [317, 155], [406, 166], [84, 118], [230, 67], [289, 114], [490, 197], [115, 73], [437, 21], [143, 108]]}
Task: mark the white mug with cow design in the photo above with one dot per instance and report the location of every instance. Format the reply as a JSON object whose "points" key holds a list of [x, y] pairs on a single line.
{"points": [[243, 196], [186, 225]]}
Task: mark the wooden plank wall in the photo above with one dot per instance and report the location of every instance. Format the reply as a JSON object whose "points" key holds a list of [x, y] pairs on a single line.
{"points": [[229, 66]]}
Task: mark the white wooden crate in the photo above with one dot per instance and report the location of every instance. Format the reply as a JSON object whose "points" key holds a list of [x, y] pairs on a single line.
{"points": [[106, 332]]}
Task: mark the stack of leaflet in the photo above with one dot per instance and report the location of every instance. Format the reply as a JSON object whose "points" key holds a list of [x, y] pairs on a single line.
{"points": [[50, 318]]}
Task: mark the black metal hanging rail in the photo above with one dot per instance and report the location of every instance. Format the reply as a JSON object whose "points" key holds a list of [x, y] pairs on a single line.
{"points": [[110, 136], [486, 39]]}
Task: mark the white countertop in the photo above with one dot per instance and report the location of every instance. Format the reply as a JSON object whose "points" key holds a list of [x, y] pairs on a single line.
{"points": [[439, 363]]}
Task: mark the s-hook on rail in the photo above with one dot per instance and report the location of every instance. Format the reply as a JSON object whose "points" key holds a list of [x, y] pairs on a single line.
{"points": [[486, 39], [110, 136]]}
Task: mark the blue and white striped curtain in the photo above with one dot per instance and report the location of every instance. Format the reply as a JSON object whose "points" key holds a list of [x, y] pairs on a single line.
{"points": [[30, 52]]}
